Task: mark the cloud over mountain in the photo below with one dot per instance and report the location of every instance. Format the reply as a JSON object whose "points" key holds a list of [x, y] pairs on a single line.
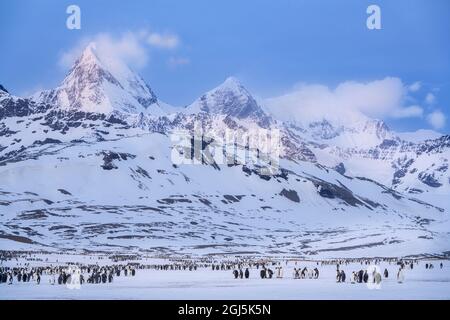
{"points": [[349, 101], [130, 48], [126, 48], [437, 119]]}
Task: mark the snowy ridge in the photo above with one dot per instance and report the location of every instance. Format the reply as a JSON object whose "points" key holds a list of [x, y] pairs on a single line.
{"points": [[87, 166]]}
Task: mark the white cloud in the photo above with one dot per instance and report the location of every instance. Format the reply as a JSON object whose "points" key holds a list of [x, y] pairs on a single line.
{"points": [[349, 101], [408, 112], [163, 40], [430, 98], [437, 119], [30, 91], [178, 61], [415, 86], [131, 48], [67, 58], [127, 48]]}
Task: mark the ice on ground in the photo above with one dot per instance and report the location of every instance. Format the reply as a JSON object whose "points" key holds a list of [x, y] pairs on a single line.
{"points": [[205, 284]]}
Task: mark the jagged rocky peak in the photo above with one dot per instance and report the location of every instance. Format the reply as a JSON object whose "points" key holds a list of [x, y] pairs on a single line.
{"points": [[324, 129], [3, 89], [88, 57], [99, 83], [233, 84], [230, 98], [89, 70], [378, 128]]}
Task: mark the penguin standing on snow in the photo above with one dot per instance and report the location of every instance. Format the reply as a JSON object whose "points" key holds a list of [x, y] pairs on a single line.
{"points": [[365, 277], [338, 276], [343, 276], [354, 277], [400, 276], [316, 273], [262, 273], [360, 276], [377, 277], [280, 272]]}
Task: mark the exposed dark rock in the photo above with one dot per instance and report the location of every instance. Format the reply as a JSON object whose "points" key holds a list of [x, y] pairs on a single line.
{"points": [[143, 172], [2, 88], [402, 168], [340, 168], [110, 156], [65, 192], [231, 198], [429, 180], [172, 200], [47, 141], [326, 192], [17, 238], [331, 191], [415, 190], [60, 227], [290, 194], [205, 202], [386, 144], [33, 215]]}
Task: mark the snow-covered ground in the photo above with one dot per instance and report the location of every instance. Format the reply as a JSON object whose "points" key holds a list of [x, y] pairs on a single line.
{"points": [[205, 284]]}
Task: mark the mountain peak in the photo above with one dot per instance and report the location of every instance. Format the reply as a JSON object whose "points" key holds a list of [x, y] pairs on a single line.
{"points": [[89, 55], [232, 84], [101, 83], [230, 98], [378, 128]]}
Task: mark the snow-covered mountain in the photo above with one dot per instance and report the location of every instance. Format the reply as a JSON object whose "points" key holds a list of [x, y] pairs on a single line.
{"points": [[231, 99], [88, 166], [102, 85]]}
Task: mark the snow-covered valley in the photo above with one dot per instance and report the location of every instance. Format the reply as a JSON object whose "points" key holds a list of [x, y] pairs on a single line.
{"points": [[203, 283], [88, 166]]}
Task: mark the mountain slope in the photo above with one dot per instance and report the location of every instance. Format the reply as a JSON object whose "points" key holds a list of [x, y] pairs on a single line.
{"points": [[123, 193], [89, 166]]}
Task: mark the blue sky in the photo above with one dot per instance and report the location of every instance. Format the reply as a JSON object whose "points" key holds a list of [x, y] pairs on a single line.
{"points": [[271, 46]]}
